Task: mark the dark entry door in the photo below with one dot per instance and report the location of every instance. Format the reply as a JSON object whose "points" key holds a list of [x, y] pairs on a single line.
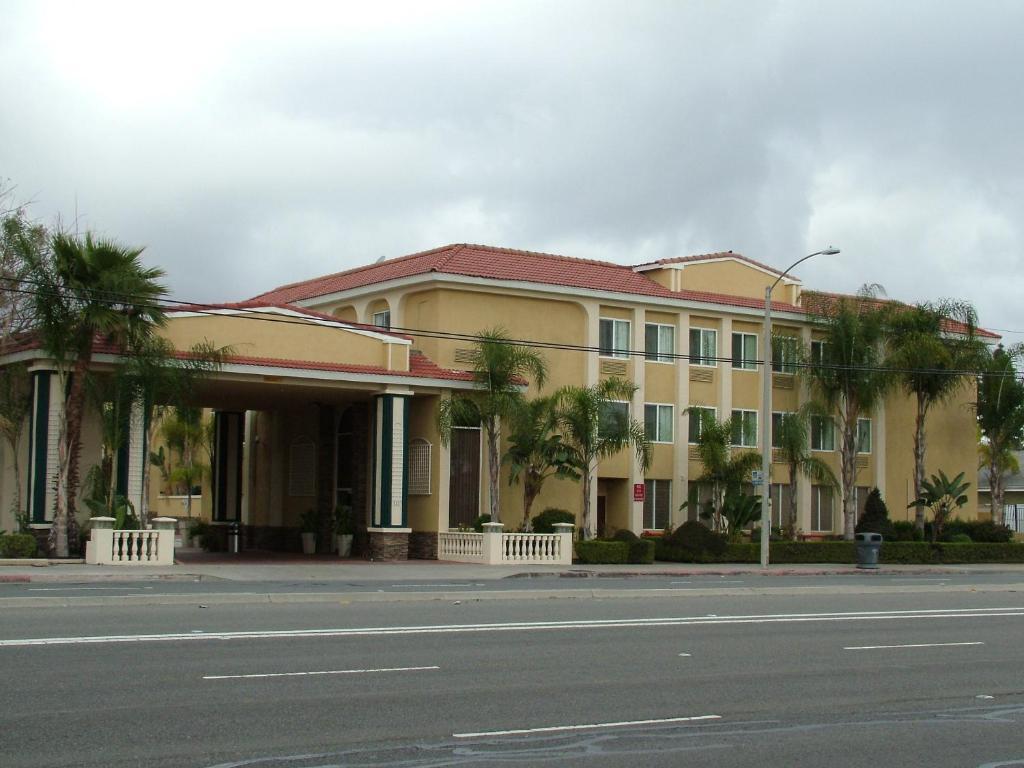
{"points": [[601, 514], [464, 485]]}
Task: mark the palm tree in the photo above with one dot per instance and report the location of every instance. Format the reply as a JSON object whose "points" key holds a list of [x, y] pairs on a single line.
{"points": [[499, 371], [792, 443], [725, 470], [1000, 410], [593, 429], [926, 354], [849, 374], [942, 495], [185, 433], [87, 289], [536, 452]]}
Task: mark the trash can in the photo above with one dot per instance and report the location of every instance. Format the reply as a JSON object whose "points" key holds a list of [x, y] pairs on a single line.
{"points": [[868, 547], [234, 538]]}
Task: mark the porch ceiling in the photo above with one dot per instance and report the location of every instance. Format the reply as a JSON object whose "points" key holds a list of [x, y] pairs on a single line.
{"points": [[267, 395]]}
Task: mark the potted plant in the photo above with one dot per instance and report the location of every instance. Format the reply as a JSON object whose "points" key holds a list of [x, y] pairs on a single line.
{"points": [[309, 521], [343, 530]]}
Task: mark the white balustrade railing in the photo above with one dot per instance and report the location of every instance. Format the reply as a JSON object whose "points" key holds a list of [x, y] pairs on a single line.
{"points": [[492, 547], [107, 546]]}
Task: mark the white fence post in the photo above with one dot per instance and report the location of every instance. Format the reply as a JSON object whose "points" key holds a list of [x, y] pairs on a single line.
{"points": [[493, 543], [564, 531], [166, 528], [99, 548]]}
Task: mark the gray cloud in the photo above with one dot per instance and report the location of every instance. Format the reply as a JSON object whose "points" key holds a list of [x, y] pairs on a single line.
{"points": [[254, 145]]}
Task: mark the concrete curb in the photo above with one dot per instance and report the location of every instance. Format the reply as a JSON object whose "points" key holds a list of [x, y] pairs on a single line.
{"points": [[344, 598]]}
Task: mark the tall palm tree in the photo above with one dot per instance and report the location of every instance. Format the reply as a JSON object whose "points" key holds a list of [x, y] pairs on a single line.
{"points": [[536, 452], [849, 376], [724, 468], [593, 430], [926, 353], [88, 289], [793, 445], [500, 368], [1000, 410]]}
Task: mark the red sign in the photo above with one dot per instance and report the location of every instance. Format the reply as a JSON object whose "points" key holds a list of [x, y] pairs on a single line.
{"points": [[639, 491]]}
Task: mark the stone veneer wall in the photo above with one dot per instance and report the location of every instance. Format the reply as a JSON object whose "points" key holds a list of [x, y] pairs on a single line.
{"points": [[423, 545], [387, 545]]}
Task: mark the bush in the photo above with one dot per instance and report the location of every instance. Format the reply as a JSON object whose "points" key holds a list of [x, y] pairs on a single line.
{"points": [[598, 551], [478, 524], [640, 550], [209, 536], [697, 538], [17, 545], [876, 516], [903, 530], [960, 538], [545, 521], [978, 531]]}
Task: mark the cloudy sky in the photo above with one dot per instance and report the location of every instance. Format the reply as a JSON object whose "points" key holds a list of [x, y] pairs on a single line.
{"points": [[248, 145]]}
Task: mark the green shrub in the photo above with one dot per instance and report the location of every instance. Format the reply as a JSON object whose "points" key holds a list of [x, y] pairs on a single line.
{"points": [[978, 530], [876, 516], [545, 521], [960, 538], [208, 536], [640, 550], [903, 530], [478, 524], [597, 551], [697, 538], [18, 545]]}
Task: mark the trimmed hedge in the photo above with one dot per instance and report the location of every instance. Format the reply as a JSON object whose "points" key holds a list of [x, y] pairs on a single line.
{"points": [[17, 545], [845, 553], [595, 551], [545, 521], [640, 550]]}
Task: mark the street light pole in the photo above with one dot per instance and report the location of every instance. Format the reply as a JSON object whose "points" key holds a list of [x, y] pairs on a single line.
{"points": [[766, 409]]}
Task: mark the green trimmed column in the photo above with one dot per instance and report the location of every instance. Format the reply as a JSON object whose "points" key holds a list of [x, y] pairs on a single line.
{"points": [[43, 433], [389, 531]]}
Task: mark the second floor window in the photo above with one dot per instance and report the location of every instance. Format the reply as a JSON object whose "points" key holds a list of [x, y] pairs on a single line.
{"points": [[658, 422], [784, 354], [382, 319], [614, 337], [744, 428], [698, 418], [703, 346], [823, 434], [744, 351], [778, 419], [863, 435], [614, 418], [659, 342]]}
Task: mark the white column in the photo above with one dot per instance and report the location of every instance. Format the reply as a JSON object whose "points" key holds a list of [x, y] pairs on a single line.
{"points": [[44, 432], [593, 310], [137, 455], [636, 411], [803, 485], [444, 477], [725, 370], [389, 487], [878, 445]]}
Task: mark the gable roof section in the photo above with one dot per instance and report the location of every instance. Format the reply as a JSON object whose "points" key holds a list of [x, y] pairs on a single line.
{"points": [[488, 262], [720, 256]]}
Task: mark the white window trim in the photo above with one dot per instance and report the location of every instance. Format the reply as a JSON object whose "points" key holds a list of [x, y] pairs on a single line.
{"points": [[671, 408], [375, 315], [629, 330], [714, 415], [871, 437], [699, 355], [756, 427], [671, 360], [753, 363]]}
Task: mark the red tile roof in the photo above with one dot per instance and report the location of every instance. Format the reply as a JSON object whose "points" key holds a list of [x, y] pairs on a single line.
{"points": [[505, 264], [816, 301], [712, 257], [254, 307]]}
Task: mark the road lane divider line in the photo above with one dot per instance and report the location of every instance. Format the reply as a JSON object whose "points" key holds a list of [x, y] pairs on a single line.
{"points": [[587, 727], [317, 672], [906, 645], [84, 589], [681, 621]]}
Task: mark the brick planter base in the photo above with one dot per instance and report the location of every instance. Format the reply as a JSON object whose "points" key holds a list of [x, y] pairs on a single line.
{"points": [[422, 545], [389, 544]]}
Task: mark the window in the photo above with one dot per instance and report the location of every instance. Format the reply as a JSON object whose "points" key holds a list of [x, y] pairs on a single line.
{"points": [[784, 349], [613, 418], [744, 428], [658, 422], [778, 419], [744, 351], [614, 337], [821, 508], [698, 496], [382, 319], [657, 504], [780, 496], [698, 418], [823, 434], [863, 435], [659, 342], [419, 467], [820, 352], [703, 346]]}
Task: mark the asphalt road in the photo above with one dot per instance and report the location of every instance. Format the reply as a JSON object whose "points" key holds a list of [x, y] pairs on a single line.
{"points": [[910, 678]]}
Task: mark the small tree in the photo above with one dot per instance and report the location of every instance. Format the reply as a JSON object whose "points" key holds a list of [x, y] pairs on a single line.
{"points": [[724, 469], [536, 452], [792, 442], [499, 369], [1000, 410], [942, 496], [593, 430], [876, 516]]}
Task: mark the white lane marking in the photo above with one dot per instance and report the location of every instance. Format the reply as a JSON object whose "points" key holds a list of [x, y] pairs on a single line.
{"points": [[79, 589], [686, 655], [408, 586], [908, 645], [590, 726], [680, 582], [935, 613], [319, 672]]}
